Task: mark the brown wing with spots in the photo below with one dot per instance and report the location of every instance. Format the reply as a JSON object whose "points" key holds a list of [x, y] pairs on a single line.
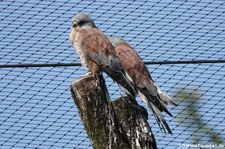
{"points": [[142, 79], [98, 50]]}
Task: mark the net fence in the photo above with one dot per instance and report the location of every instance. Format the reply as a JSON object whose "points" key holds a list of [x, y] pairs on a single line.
{"points": [[182, 43]]}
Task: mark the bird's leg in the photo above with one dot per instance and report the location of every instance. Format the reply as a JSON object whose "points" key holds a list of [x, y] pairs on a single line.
{"points": [[96, 79], [86, 74]]}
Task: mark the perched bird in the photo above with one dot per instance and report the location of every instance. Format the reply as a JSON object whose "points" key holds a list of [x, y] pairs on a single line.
{"points": [[96, 52], [138, 73]]}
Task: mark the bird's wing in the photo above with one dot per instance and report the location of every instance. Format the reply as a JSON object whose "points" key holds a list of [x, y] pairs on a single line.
{"points": [[139, 73], [98, 49], [136, 68]]}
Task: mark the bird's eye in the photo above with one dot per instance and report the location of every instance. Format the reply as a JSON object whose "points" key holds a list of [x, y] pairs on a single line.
{"points": [[81, 23], [75, 24]]}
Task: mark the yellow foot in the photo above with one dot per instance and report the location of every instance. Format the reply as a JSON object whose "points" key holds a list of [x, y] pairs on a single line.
{"points": [[86, 74]]}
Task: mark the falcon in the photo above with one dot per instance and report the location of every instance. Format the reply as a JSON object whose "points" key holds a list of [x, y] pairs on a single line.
{"points": [[139, 75], [96, 52]]}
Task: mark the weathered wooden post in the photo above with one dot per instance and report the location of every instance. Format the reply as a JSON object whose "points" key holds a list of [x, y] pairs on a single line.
{"points": [[118, 124], [134, 122]]}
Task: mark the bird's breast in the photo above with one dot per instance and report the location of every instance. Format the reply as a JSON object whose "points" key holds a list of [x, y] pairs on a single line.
{"points": [[83, 59], [77, 46]]}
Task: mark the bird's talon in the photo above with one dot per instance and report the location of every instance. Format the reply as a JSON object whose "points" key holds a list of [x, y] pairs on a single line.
{"points": [[86, 74]]}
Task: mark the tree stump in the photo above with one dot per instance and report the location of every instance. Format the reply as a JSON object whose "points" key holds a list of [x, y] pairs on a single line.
{"points": [[134, 122], [118, 125]]}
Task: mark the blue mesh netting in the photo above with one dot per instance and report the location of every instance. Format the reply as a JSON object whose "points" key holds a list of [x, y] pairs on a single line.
{"points": [[37, 110]]}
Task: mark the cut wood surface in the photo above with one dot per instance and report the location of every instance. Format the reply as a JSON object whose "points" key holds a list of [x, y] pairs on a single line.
{"points": [[118, 125]]}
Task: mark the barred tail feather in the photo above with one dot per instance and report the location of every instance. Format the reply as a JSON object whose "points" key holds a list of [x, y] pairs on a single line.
{"points": [[165, 98], [157, 113], [160, 119]]}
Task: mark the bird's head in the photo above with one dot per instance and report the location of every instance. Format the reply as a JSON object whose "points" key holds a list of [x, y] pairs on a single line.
{"points": [[115, 41], [81, 21]]}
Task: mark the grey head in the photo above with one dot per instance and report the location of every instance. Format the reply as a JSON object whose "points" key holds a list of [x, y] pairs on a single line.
{"points": [[116, 41], [81, 20]]}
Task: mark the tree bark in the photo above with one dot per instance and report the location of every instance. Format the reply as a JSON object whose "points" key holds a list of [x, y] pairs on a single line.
{"points": [[118, 125], [133, 120]]}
